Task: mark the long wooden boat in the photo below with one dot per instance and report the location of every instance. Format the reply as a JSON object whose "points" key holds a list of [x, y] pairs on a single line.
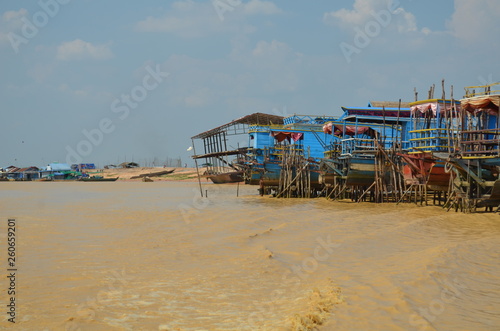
{"points": [[99, 179], [153, 174], [227, 177]]}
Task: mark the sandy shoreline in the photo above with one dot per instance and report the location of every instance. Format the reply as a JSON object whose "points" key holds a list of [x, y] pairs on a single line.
{"points": [[125, 174]]}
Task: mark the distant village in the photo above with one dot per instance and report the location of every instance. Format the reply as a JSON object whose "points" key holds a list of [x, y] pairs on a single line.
{"points": [[56, 171]]}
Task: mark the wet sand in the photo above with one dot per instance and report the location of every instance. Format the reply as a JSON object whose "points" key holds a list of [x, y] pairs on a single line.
{"points": [[155, 256]]}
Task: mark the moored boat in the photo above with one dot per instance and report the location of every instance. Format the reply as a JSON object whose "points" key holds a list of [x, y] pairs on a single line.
{"points": [[98, 179], [227, 177]]}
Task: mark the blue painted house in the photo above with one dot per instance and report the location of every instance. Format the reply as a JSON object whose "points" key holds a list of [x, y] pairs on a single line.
{"points": [[57, 171], [304, 133]]}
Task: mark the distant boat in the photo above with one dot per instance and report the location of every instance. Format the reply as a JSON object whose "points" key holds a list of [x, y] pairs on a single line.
{"points": [[153, 174], [98, 179], [44, 179]]}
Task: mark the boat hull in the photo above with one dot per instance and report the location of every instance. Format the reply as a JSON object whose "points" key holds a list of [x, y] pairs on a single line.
{"points": [[426, 169], [111, 179], [228, 177], [361, 172]]}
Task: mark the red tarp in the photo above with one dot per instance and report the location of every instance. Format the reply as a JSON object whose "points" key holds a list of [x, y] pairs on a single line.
{"points": [[280, 136]]}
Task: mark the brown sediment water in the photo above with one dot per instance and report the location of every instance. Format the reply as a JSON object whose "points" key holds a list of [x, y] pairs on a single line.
{"points": [[156, 256]]}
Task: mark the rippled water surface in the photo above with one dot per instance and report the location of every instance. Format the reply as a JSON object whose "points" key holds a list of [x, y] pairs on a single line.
{"points": [[155, 256]]}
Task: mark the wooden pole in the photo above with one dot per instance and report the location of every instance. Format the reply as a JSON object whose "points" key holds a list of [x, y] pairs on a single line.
{"points": [[197, 170]]}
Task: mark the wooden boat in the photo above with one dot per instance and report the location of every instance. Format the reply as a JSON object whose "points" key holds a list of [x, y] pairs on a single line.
{"points": [[153, 174], [425, 168], [360, 171], [98, 179], [227, 177]]}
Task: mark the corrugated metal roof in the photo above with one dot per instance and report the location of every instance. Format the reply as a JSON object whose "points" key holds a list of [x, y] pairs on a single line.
{"points": [[12, 169], [31, 169], [253, 119]]}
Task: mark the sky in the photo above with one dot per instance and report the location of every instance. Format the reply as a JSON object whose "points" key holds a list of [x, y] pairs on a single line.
{"points": [[111, 81]]}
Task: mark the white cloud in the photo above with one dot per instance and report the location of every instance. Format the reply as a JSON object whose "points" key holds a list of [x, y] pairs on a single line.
{"points": [[476, 21], [406, 22], [359, 14], [273, 48], [381, 11], [10, 21], [14, 15], [261, 7], [80, 50]]}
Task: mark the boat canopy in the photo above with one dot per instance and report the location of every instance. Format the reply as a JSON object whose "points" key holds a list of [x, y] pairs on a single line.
{"points": [[491, 103], [434, 107]]}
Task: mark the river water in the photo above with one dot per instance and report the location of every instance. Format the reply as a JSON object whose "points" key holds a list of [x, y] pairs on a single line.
{"points": [[156, 256]]}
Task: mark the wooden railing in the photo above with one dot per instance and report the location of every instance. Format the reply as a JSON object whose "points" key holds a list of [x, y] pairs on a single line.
{"points": [[430, 140], [478, 143]]}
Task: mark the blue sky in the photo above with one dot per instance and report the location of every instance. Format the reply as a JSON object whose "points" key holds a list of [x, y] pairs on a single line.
{"points": [[186, 66]]}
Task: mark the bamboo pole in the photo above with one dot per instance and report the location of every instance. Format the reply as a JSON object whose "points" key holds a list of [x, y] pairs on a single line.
{"points": [[197, 170]]}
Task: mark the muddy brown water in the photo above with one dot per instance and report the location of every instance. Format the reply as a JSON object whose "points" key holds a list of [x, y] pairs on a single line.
{"points": [[155, 256]]}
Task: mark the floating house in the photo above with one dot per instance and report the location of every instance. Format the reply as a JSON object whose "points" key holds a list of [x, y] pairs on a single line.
{"points": [[224, 162], [386, 151], [362, 154], [29, 173], [474, 162], [301, 135], [433, 129], [11, 172], [20, 174], [83, 166], [58, 171]]}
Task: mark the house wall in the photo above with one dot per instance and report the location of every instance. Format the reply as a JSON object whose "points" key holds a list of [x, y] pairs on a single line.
{"points": [[261, 140]]}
